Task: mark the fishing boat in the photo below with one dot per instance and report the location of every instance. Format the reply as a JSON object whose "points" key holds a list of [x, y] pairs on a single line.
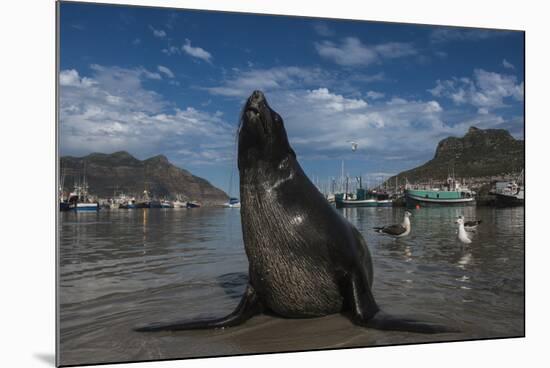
{"points": [[361, 198], [510, 193], [166, 204], [67, 203], [155, 203], [128, 204], [452, 193], [123, 201], [145, 201], [346, 200], [383, 199], [193, 204], [80, 198], [180, 204], [87, 206], [233, 203], [64, 204]]}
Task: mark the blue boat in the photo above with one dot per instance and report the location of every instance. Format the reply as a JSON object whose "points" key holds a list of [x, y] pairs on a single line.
{"points": [[87, 206], [233, 203], [359, 200], [363, 198]]}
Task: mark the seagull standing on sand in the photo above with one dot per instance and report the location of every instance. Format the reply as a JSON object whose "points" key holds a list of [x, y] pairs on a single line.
{"points": [[462, 236], [397, 230], [470, 225]]}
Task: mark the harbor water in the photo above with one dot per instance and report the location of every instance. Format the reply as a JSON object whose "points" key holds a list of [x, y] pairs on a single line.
{"points": [[123, 268]]}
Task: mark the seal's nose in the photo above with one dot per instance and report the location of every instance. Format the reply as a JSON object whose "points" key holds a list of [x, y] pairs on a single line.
{"points": [[255, 101], [257, 96]]}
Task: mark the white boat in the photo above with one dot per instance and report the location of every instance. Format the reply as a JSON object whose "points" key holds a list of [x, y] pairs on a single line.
{"points": [[180, 204], [83, 201], [166, 204], [84, 206], [233, 203], [509, 193]]}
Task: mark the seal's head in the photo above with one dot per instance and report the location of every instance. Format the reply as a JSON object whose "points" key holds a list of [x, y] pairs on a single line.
{"points": [[262, 134]]}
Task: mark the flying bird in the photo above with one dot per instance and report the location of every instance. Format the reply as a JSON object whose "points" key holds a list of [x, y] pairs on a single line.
{"points": [[353, 145]]}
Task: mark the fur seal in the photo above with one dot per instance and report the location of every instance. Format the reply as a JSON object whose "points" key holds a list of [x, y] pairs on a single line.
{"points": [[305, 259]]}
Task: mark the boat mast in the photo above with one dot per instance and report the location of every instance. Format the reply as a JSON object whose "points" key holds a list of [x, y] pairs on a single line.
{"points": [[342, 176]]}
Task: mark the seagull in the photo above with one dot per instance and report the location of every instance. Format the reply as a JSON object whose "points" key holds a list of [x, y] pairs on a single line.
{"points": [[353, 145], [470, 225], [397, 230], [462, 236]]}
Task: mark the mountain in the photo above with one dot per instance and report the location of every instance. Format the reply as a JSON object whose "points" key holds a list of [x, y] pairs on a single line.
{"points": [[120, 171], [481, 153]]}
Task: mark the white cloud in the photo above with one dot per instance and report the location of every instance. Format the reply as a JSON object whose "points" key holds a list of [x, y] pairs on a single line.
{"points": [[320, 123], [165, 70], [507, 64], [485, 90], [111, 111], [158, 32], [196, 52], [352, 52], [171, 50], [483, 111], [244, 82], [375, 95], [71, 78], [334, 102]]}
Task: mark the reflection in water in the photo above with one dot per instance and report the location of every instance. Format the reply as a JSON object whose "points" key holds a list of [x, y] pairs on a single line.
{"points": [[123, 268]]}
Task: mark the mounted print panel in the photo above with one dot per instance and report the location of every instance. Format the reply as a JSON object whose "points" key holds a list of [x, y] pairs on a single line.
{"points": [[235, 183]]}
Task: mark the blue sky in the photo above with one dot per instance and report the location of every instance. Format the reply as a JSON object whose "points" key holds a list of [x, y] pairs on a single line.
{"points": [[163, 81]]}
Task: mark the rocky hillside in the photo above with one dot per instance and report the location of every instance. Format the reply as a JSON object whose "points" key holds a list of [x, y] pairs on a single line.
{"points": [[480, 153], [120, 171]]}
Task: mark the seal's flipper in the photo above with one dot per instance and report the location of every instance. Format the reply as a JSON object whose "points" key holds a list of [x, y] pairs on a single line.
{"points": [[365, 311], [248, 307], [362, 303]]}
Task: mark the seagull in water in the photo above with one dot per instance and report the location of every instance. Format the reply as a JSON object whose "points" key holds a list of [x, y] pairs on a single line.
{"points": [[470, 225], [462, 236], [397, 230]]}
